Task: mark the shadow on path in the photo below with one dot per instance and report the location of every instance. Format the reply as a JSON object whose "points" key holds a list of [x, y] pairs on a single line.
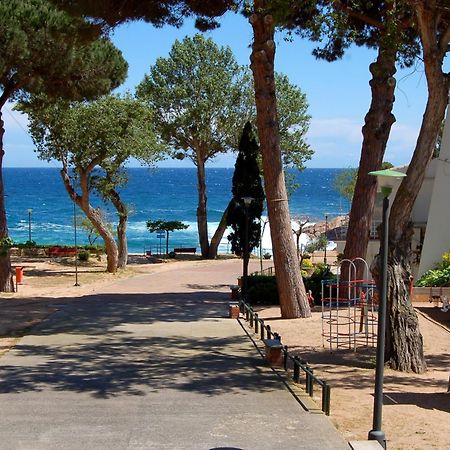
{"points": [[112, 345]]}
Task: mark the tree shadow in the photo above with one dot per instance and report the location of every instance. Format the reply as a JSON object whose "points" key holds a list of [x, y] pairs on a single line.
{"points": [[425, 400], [206, 286], [436, 314], [104, 345], [347, 364], [55, 273]]}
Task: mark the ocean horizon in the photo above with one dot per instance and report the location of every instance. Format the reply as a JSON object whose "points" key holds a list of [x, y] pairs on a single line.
{"points": [[151, 194]]}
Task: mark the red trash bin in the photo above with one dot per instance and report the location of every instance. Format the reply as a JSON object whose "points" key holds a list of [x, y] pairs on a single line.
{"points": [[19, 274]]}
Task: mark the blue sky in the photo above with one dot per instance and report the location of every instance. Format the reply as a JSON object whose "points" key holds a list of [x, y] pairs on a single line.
{"points": [[338, 93]]}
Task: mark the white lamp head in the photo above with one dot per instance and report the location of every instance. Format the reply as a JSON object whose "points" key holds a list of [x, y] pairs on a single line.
{"points": [[386, 178], [247, 201]]}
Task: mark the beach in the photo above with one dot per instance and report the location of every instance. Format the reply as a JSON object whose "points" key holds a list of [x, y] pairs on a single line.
{"points": [[416, 407]]}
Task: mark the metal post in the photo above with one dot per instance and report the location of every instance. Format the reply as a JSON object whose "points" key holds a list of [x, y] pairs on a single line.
{"points": [[310, 381], [326, 398], [247, 202], [246, 258], [376, 433], [296, 376], [75, 239], [326, 243], [285, 358]]}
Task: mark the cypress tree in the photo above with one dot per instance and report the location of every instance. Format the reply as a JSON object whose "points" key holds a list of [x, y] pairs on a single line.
{"points": [[246, 183]]}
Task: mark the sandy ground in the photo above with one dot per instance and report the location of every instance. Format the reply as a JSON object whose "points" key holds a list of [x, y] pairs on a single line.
{"points": [[416, 407], [416, 412]]}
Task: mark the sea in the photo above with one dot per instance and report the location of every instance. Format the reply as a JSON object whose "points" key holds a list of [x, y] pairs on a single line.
{"points": [[37, 202]]}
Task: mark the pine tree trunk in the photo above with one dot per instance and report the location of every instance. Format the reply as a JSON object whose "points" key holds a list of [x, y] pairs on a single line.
{"points": [[121, 228], [404, 349], [202, 217], [6, 278], [376, 130], [404, 343], [293, 299], [218, 235], [94, 216]]}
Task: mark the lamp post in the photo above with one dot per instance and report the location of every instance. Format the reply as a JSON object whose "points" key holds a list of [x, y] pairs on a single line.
{"points": [[386, 177], [326, 240], [75, 241], [30, 211], [247, 201]]}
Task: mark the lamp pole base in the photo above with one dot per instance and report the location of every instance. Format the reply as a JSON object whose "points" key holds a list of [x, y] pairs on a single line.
{"points": [[378, 435]]}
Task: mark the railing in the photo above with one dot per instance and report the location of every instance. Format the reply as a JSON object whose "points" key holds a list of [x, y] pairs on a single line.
{"points": [[298, 365], [269, 271]]}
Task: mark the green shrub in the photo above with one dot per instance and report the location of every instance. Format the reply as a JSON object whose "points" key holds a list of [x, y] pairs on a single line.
{"points": [[439, 276], [83, 255], [314, 282], [5, 244], [262, 290], [435, 277]]}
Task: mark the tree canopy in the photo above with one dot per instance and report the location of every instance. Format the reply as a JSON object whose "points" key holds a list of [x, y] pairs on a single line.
{"points": [[157, 12], [105, 132], [167, 226], [345, 181], [92, 141], [44, 49], [199, 98]]}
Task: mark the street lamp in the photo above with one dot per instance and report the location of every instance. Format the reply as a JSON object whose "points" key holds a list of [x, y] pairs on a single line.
{"points": [[30, 211], [386, 180], [75, 241], [326, 240], [247, 201]]}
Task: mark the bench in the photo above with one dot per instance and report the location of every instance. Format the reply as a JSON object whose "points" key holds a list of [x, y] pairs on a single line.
{"points": [[185, 250], [62, 251]]}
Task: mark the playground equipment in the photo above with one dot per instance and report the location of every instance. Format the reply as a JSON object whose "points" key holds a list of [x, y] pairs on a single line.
{"points": [[349, 306]]}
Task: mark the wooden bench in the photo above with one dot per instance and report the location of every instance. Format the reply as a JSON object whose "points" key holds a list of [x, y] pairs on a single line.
{"points": [[62, 251], [185, 250]]}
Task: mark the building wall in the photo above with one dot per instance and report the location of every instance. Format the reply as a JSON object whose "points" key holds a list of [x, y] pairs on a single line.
{"points": [[437, 234]]}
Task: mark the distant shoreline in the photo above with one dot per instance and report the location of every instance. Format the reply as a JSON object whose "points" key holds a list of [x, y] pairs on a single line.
{"points": [[170, 168]]}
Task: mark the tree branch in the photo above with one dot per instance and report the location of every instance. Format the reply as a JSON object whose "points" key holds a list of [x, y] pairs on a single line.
{"points": [[67, 184], [444, 41], [356, 15], [10, 87], [96, 161]]}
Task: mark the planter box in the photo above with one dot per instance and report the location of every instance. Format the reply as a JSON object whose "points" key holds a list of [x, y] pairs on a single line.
{"points": [[425, 294]]}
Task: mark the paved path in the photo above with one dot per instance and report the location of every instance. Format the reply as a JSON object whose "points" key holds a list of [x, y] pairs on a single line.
{"points": [[151, 363]]}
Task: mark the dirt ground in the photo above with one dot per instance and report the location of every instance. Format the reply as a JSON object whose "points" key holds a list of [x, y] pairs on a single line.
{"points": [[416, 407]]}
